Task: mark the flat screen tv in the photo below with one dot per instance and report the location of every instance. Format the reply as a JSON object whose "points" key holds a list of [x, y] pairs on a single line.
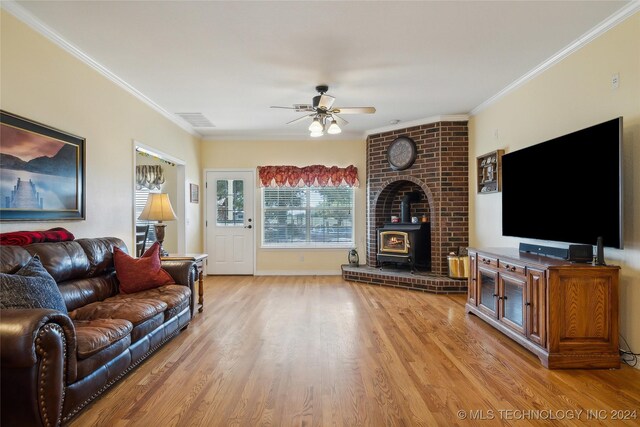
{"points": [[568, 189]]}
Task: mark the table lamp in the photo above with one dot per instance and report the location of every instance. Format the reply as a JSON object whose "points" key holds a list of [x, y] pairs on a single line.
{"points": [[158, 208]]}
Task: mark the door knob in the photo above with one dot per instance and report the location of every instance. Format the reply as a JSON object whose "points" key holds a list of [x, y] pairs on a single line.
{"points": [[248, 226]]}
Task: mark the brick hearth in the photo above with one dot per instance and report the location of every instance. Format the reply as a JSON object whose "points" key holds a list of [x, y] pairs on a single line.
{"points": [[404, 279], [441, 174]]}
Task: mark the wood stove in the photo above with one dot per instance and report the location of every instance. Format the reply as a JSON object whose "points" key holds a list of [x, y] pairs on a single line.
{"points": [[405, 244]]}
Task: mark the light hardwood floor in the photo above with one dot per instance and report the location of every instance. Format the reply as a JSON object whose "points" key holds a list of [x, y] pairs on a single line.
{"points": [[319, 351]]}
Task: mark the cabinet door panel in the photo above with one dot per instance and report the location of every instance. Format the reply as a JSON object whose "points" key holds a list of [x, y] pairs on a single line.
{"points": [[511, 301], [487, 291], [473, 281], [536, 307]]}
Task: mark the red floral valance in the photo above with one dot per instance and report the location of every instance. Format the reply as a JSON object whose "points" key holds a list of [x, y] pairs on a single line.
{"points": [[308, 176]]}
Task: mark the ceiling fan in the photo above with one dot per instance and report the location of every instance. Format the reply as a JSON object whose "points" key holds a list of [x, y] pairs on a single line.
{"points": [[323, 115]]}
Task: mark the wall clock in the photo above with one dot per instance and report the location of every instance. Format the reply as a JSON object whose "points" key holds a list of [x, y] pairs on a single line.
{"points": [[401, 153]]}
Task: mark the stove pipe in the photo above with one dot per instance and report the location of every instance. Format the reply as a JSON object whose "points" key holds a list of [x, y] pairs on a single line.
{"points": [[405, 205]]}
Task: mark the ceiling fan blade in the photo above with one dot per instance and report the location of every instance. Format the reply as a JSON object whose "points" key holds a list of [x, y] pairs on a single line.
{"points": [[354, 110], [301, 118], [303, 107], [339, 120], [326, 101], [300, 108]]}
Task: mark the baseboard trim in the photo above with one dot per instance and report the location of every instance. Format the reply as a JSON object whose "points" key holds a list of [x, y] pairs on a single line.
{"points": [[298, 273]]}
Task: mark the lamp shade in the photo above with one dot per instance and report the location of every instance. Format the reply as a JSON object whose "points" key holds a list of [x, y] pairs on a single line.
{"points": [[158, 208]]}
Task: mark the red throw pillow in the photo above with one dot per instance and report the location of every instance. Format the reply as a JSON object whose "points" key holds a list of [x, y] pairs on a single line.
{"points": [[139, 274]]}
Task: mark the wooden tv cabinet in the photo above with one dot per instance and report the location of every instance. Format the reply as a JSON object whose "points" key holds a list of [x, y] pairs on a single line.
{"points": [[565, 313]]}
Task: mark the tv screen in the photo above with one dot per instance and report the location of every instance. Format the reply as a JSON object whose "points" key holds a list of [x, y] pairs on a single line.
{"points": [[568, 189]]}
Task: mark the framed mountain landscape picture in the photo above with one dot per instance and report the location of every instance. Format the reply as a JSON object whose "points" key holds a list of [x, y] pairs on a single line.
{"points": [[42, 172]]}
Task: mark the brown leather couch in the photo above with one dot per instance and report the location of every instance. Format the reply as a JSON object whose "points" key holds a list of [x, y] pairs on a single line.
{"points": [[53, 364]]}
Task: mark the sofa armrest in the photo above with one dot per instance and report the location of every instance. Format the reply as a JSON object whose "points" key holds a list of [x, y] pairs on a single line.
{"points": [[19, 332], [183, 273], [38, 359]]}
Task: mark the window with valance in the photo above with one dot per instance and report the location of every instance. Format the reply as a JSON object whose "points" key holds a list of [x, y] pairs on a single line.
{"points": [[308, 206], [148, 178], [308, 176]]}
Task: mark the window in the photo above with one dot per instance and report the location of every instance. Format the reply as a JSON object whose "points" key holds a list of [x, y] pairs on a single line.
{"points": [[141, 200], [307, 217], [230, 203]]}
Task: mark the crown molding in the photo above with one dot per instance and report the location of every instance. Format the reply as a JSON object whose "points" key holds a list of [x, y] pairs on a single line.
{"points": [[615, 19], [418, 122], [23, 15]]}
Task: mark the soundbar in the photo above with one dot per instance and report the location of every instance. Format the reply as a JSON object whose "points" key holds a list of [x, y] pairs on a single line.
{"points": [[545, 250]]}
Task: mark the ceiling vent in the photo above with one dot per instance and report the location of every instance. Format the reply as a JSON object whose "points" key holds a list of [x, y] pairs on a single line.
{"points": [[197, 120]]}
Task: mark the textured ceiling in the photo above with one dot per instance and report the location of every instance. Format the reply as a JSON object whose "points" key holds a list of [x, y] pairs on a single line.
{"points": [[230, 61]]}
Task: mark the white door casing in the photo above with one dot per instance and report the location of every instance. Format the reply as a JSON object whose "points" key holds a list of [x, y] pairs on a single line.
{"points": [[230, 224]]}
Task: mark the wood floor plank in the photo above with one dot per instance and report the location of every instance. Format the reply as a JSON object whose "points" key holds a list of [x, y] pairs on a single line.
{"points": [[319, 351]]}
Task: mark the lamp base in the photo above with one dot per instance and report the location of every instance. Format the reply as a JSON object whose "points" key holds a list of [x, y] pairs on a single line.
{"points": [[159, 229]]}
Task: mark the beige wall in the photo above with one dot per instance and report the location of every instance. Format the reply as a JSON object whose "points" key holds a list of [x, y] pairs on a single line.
{"points": [[571, 95], [251, 154], [42, 82]]}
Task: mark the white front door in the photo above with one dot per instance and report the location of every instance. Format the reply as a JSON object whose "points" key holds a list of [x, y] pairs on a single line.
{"points": [[230, 223]]}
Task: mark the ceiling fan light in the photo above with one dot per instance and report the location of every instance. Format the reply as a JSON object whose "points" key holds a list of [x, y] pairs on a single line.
{"points": [[316, 126], [315, 134], [334, 128]]}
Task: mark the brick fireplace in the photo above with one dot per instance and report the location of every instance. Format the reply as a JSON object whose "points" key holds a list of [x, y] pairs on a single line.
{"points": [[440, 174]]}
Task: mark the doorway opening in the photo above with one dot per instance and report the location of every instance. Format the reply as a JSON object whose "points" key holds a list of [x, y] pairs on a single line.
{"points": [[158, 172]]}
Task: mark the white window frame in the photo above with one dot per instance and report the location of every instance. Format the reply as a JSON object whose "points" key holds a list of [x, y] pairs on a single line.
{"points": [[309, 210]]}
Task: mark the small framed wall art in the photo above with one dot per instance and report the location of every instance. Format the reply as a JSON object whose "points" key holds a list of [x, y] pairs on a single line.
{"points": [[194, 193], [42, 172], [489, 173]]}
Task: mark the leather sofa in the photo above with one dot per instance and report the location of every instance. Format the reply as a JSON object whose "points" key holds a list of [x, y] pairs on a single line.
{"points": [[53, 364]]}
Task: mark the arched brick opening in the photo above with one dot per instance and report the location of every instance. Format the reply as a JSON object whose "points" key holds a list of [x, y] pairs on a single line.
{"points": [[387, 203], [440, 172]]}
